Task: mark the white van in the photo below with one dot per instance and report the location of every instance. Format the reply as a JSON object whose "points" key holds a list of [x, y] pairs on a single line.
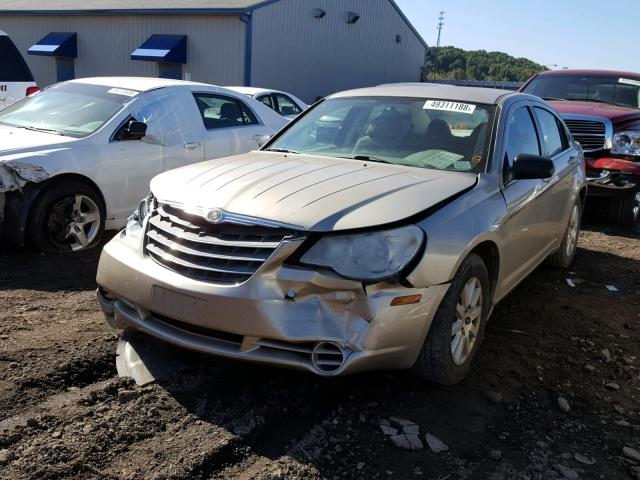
{"points": [[16, 80]]}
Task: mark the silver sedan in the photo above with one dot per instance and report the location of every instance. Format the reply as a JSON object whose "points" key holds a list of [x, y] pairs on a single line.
{"points": [[377, 231]]}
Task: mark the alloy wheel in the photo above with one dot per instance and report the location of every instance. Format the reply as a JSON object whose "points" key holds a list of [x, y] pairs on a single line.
{"points": [[466, 326], [573, 230], [75, 221]]}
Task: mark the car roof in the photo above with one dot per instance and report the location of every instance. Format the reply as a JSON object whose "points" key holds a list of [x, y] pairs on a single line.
{"points": [[141, 84], [426, 90], [3, 34], [616, 73], [251, 90]]}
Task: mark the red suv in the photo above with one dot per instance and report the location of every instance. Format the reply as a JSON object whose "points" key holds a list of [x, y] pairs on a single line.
{"points": [[602, 110]]}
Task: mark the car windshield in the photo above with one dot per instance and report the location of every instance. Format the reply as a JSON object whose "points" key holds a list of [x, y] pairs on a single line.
{"points": [[418, 132], [70, 109], [613, 90]]}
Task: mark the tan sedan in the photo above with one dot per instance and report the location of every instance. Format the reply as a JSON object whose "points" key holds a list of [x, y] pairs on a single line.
{"points": [[376, 231]]}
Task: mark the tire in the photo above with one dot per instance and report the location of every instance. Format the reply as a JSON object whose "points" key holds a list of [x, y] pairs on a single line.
{"points": [[54, 224], [621, 210], [436, 361], [563, 257]]}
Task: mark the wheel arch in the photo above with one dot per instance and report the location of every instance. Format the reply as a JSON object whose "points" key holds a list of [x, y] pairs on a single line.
{"points": [[488, 251], [19, 204], [583, 196]]}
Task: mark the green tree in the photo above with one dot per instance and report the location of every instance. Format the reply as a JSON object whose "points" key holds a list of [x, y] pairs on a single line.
{"points": [[451, 63]]}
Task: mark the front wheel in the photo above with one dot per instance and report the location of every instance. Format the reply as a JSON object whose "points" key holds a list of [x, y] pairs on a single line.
{"points": [[66, 217], [458, 326]]}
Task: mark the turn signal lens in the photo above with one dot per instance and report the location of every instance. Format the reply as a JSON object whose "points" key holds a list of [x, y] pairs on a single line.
{"points": [[406, 300]]}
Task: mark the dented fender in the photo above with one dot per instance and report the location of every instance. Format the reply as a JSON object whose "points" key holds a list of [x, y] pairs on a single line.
{"points": [[13, 221], [15, 174]]}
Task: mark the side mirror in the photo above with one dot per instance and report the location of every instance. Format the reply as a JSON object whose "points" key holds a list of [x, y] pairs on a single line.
{"points": [[531, 167], [135, 130], [262, 140]]}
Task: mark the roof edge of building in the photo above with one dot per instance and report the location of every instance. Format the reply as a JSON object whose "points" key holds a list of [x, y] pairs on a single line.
{"points": [[409, 24], [133, 11]]}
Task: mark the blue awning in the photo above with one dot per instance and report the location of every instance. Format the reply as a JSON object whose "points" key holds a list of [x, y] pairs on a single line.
{"points": [[162, 48], [57, 44]]}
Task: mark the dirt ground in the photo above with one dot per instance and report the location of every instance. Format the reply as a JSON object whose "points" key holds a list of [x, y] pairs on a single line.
{"points": [[64, 413]]}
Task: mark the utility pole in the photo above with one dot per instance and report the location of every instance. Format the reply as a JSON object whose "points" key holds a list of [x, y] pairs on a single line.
{"points": [[440, 25]]}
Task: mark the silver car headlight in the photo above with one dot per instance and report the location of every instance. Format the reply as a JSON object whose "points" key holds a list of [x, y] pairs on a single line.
{"points": [[626, 143], [371, 256], [134, 228]]}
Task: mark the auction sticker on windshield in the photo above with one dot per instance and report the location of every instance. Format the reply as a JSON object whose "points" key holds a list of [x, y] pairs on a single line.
{"points": [[123, 91], [629, 81], [449, 106]]}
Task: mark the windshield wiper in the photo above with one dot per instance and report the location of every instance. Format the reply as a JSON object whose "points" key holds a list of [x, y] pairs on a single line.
{"points": [[45, 130], [281, 150], [368, 158]]}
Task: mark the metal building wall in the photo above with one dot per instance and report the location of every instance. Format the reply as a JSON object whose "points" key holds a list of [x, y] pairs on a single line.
{"points": [[215, 44], [310, 57]]}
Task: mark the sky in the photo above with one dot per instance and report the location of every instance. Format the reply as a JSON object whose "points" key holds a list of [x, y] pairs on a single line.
{"points": [[600, 34]]}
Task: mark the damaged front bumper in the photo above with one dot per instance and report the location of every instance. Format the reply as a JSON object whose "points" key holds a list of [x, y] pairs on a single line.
{"points": [[283, 315], [19, 185], [612, 177]]}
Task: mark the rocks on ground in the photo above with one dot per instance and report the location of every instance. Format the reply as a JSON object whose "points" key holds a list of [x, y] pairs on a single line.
{"points": [[402, 433]]}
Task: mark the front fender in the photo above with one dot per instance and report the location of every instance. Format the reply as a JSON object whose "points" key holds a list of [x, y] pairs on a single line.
{"points": [[16, 212], [455, 230]]}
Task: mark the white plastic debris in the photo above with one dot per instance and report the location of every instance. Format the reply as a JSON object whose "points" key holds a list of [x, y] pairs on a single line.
{"points": [[612, 288], [570, 282]]}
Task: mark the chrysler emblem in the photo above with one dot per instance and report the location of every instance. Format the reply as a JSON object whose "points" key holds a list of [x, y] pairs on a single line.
{"points": [[215, 216]]}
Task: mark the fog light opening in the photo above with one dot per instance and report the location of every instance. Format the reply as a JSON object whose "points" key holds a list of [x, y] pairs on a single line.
{"points": [[327, 357]]}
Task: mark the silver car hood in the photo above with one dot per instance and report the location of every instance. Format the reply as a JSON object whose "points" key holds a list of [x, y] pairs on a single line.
{"points": [[17, 140], [308, 192]]}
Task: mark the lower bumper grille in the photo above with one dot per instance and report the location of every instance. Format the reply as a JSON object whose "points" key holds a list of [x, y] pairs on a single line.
{"points": [[217, 253]]}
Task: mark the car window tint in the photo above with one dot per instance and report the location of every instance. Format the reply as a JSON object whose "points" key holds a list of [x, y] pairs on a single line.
{"points": [[286, 106], [521, 137], [220, 111], [551, 133], [266, 99], [12, 65]]}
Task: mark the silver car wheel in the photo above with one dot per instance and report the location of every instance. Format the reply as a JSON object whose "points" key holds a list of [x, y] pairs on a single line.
{"points": [[573, 230], [465, 328], [84, 223]]}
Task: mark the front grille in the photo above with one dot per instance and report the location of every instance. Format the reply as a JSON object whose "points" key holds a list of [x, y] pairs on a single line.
{"points": [[591, 134], [218, 253]]}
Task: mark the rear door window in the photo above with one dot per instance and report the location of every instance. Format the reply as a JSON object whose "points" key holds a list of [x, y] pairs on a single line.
{"points": [[220, 111], [552, 135], [12, 66]]}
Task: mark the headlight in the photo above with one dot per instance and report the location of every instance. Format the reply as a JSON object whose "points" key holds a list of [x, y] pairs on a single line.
{"points": [[370, 256], [134, 222], [626, 143]]}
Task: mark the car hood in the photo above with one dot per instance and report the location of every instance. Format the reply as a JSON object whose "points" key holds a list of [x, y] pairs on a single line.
{"points": [[613, 112], [17, 140], [309, 192]]}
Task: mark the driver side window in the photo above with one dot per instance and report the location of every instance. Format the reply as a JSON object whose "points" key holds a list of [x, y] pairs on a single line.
{"points": [[521, 138]]}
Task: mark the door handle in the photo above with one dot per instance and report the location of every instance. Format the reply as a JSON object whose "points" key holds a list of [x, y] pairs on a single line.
{"points": [[192, 145], [573, 159]]}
